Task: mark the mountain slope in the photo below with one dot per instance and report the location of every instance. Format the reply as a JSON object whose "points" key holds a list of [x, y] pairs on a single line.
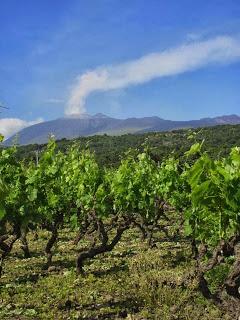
{"points": [[86, 125]]}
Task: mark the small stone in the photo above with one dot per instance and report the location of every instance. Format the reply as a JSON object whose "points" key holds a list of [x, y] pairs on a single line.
{"points": [[52, 269]]}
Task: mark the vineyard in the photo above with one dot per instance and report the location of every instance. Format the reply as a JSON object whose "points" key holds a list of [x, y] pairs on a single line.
{"points": [[147, 239]]}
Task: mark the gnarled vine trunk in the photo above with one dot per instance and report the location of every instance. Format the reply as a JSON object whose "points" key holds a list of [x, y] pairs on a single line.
{"points": [[52, 240], [24, 245], [232, 283], [6, 245], [105, 245], [223, 250]]}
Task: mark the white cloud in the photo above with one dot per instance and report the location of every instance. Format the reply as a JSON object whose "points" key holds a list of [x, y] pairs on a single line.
{"points": [[10, 126], [170, 62]]}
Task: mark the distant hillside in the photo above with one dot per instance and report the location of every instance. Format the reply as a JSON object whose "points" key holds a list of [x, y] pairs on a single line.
{"points": [[109, 150], [86, 125]]}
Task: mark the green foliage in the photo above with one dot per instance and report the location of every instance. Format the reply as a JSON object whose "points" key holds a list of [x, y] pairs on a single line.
{"points": [[133, 185], [15, 208], [215, 201], [73, 184]]}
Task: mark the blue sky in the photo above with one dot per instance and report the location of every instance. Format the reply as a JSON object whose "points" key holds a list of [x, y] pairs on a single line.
{"points": [[45, 45]]}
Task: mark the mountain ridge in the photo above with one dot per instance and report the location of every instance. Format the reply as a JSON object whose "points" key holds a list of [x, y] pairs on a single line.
{"points": [[86, 125]]}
